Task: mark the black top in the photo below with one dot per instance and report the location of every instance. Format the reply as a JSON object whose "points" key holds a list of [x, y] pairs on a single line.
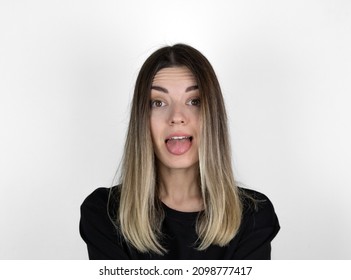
{"points": [[258, 228]]}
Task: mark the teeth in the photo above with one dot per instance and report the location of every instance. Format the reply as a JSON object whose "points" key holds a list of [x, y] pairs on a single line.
{"points": [[179, 137]]}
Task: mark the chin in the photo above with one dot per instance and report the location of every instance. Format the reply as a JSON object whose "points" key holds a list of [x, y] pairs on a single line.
{"points": [[179, 164]]}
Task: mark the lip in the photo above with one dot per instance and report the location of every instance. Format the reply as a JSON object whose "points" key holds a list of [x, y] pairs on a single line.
{"points": [[178, 148], [178, 134]]}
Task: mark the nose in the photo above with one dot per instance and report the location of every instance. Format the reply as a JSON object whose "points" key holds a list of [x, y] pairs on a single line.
{"points": [[177, 116]]}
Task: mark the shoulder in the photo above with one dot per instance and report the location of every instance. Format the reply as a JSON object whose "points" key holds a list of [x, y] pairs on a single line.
{"points": [[98, 225], [101, 200], [258, 227], [96, 200], [258, 209], [100, 194]]}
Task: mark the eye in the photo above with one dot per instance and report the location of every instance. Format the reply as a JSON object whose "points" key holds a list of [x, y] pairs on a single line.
{"points": [[194, 102], [156, 103]]}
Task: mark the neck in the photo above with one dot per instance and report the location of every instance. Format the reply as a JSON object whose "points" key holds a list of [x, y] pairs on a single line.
{"points": [[179, 188]]}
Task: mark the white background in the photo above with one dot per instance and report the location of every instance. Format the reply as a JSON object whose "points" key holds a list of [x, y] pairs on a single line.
{"points": [[67, 71]]}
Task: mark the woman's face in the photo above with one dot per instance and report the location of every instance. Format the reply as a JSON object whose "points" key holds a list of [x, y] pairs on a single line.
{"points": [[175, 118]]}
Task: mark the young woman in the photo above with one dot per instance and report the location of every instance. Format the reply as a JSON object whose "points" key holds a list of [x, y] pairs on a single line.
{"points": [[177, 198]]}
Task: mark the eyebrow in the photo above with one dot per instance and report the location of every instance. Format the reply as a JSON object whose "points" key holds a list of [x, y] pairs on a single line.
{"points": [[162, 89]]}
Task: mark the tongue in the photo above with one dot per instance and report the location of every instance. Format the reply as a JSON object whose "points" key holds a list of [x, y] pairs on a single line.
{"points": [[178, 147]]}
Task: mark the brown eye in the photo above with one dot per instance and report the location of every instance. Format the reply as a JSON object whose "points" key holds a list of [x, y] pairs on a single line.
{"points": [[156, 103], [194, 102]]}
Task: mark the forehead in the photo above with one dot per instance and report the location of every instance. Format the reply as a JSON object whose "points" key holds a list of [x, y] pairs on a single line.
{"points": [[173, 75]]}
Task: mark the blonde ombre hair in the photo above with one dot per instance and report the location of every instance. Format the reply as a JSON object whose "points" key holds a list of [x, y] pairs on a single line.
{"points": [[140, 214]]}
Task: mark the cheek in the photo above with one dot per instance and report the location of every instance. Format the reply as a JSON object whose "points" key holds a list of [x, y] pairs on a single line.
{"points": [[152, 131], [155, 129], [197, 123], [159, 115]]}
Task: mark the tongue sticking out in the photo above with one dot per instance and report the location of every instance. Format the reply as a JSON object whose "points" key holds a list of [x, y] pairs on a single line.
{"points": [[178, 146]]}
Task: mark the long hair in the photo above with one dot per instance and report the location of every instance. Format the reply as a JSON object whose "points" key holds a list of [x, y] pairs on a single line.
{"points": [[140, 214]]}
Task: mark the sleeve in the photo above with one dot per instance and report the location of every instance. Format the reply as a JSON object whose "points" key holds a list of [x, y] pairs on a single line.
{"points": [[259, 227], [97, 230]]}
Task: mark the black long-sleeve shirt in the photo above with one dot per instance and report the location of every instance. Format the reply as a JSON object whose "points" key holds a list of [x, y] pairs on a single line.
{"points": [[253, 241]]}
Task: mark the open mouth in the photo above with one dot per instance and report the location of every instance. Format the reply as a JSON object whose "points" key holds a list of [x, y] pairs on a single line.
{"points": [[178, 145], [179, 138]]}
